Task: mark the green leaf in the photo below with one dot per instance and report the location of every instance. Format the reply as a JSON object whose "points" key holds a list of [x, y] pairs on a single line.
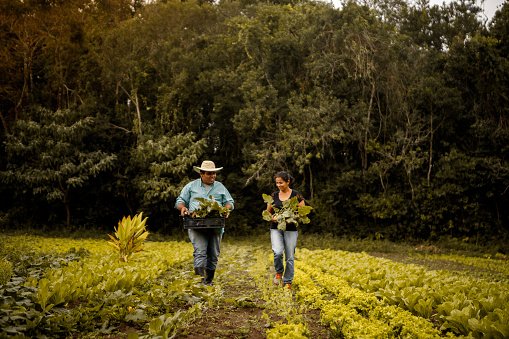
{"points": [[267, 199], [291, 212], [210, 208], [136, 316]]}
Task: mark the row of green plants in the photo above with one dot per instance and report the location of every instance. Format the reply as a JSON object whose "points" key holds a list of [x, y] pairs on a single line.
{"points": [[95, 292], [56, 290], [458, 303], [349, 310], [496, 264]]}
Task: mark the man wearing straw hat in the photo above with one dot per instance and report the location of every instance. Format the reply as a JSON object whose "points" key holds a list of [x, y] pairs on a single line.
{"points": [[206, 242]]}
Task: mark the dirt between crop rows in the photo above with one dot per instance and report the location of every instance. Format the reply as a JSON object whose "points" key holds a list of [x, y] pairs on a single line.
{"points": [[240, 313]]}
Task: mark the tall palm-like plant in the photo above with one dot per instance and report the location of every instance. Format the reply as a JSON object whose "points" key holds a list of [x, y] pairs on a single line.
{"points": [[129, 236]]}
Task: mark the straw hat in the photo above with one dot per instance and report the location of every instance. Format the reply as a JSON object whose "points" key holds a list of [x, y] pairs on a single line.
{"points": [[207, 166]]}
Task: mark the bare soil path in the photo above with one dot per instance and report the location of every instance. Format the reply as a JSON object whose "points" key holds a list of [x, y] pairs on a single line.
{"points": [[241, 311]]}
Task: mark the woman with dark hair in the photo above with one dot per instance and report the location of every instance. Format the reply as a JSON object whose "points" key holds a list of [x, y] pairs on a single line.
{"points": [[283, 242]]}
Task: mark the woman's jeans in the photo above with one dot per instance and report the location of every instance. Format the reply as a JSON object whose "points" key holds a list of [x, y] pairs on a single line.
{"points": [[284, 242], [206, 244]]}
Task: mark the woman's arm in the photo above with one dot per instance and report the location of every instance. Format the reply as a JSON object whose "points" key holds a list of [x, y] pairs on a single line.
{"points": [[301, 200], [270, 209]]}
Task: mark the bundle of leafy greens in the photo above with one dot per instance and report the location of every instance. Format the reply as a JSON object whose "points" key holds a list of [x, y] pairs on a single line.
{"points": [[290, 213], [210, 208]]}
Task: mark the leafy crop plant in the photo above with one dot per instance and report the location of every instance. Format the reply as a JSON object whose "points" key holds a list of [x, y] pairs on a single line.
{"points": [[291, 212], [129, 236]]}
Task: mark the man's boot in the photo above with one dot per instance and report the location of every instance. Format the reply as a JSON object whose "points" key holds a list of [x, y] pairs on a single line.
{"points": [[199, 271], [209, 276]]}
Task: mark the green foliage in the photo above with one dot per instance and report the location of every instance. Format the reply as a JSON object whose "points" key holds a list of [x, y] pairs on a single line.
{"points": [[462, 186], [442, 32], [97, 290], [49, 155], [386, 206], [499, 28], [289, 331], [167, 324], [22, 312], [129, 236], [210, 208], [160, 166], [290, 213], [5, 271]]}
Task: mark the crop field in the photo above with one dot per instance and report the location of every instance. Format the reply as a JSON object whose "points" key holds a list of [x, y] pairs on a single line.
{"points": [[78, 288]]}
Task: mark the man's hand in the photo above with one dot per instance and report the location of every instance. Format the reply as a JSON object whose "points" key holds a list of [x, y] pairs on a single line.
{"points": [[229, 207], [184, 211]]}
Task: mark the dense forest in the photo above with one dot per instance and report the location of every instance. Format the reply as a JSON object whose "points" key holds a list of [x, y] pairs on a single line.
{"points": [[393, 116]]}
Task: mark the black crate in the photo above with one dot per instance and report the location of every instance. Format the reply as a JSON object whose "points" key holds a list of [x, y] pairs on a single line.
{"points": [[203, 223]]}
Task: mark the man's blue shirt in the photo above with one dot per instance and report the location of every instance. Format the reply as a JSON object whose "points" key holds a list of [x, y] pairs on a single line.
{"points": [[196, 189]]}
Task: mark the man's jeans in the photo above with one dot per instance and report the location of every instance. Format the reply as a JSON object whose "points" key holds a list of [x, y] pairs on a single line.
{"points": [[206, 245], [284, 242]]}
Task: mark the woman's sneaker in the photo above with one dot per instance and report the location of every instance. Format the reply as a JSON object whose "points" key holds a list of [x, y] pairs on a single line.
{"points": [[288, 286], [277, 279]]}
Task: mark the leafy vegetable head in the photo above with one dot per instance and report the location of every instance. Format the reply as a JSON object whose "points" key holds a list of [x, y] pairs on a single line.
{"points": [[290, 213], [210, 208]]}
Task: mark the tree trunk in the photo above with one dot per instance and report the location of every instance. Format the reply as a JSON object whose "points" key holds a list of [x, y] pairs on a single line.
{"points": [[430, 157], [4, 124], [138, 112], [311, 193], [67, 205], [366, 131]]}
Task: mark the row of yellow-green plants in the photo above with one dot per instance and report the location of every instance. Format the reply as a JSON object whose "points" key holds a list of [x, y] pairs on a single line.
{"points": [[324, 280], [347, 311], [101, 271], [352, 313], [460, 304], [280, 305]]}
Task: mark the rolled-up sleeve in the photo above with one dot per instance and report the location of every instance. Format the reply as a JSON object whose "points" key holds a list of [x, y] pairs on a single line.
{"points": [[184, 197], [228, 199]]}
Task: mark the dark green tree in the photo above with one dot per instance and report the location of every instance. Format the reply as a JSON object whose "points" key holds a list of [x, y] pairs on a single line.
{"points": [[160, 167], [48, 156]]}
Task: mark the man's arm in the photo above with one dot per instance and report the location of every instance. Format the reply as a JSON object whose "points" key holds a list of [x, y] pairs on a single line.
{"points": [[183, 200], [183, 209], [228, 200]]}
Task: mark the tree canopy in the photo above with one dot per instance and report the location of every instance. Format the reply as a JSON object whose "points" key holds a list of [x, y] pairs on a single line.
{"points": [[392, 116]]}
